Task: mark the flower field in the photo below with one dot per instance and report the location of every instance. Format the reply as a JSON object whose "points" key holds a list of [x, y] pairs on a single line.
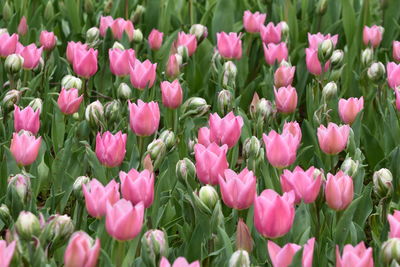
{"points": [[200, 133]]}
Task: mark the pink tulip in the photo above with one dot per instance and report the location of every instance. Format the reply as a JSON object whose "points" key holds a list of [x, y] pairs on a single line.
{"points": [[283, 76], [143, 74], [348, 109], [273, 214], [25, 147], [31, 55], [372, 35], [123, 220], [396, 50], [210, 162], [155, 39], [71, 47], [354, 256], [303, 183], [105, 23], [26, 119], [173, 66], [137, 186], [253, 21], [119, 26], [22, 26], [144, 118], [111, 149], [333, 139], [394, 222], [238, 190], [6, 253], [282, 257], [226, 130], [68, 101], [286, 99], [98, 196], [48, 40], [179, 262], [315, 39], [8, 44], [187, 40], [393, 74], [270, 33], [339, 191], [275, 52], [85, 62], [229, 45], [293, 128], [397, 99], [308, 253], [203, 136], [280, 148], [313, 63], [172, 94], [81, 251], [121, 61]]}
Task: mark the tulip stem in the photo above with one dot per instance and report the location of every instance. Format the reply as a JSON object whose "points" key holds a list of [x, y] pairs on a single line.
{"points": [[140, 141], [11, 79], [79, 215], [119, 252]]}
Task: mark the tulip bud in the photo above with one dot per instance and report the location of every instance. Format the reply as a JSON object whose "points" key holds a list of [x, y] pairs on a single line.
{"points": [[77, 186], [337, 58], [157, 150], [88, 6], [94, 114], [70, 81], [349, 166], [58, 229], [329, 91], [195, 107], [200, 31], [391, 251], [36, 104], [49, 11], [11, 98], [367, 56], [224, 102], [20, 185], [5, 215], [216, 61], [135, 17], [208, 196], [7, 11], [229, 75], [124, 92], [112, 110], [27, 225], [137, 36], [155, 245], [284, 29], [183, 52], [92, 35], [118, 45], [185, 170], [13, 63], [383, 182], [191, 145], [168, 137], [376, 72], [265, 109], [251, 147], [243, 237], [322, 5], [325, 50], [240, 258]]}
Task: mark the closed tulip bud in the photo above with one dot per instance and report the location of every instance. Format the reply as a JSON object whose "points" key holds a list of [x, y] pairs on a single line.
{"points": [[200, 31], [157, 150], [5, 215], [94, 114], [390, 251], [13, 63], [229, 74], [168, 137], [284, 29], [208, 196], [88, 6], [185, 170], [11, 98], [251, 147], [20, 185], [367, 56], [27, 225], [173, 65], [195, 107], [137, 36], [124, 92], [243, 237], [36, 104], [7, 11], [118, 45], [49, 11], [383, 182], [329, 91], [337, 58], [224, 102], [325, 50], [183, 51], [77, 186], [240, 258], [322, 5], [349, 166], [112, 110], [376, 72], [60, 228], [70, 81], [137, 14], [155, 244], [92, 35]]}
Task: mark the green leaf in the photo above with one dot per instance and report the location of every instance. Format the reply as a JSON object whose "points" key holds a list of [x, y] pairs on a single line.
{"points": [[343, 226]]}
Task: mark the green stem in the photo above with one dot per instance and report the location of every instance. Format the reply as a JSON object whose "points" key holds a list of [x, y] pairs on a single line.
{"points": [[140, 140], [79, 215], [119, 253]]}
